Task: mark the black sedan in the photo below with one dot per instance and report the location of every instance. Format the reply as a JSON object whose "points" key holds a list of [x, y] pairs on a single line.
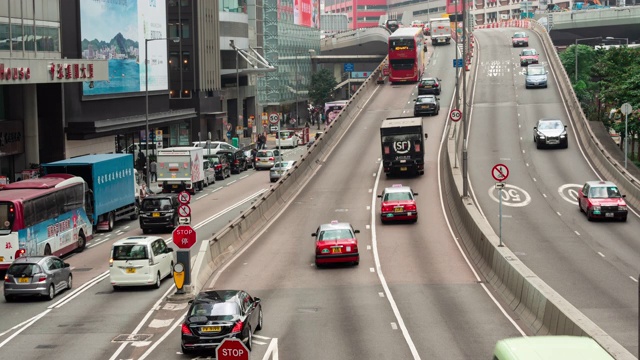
{"points": [[215, 315], [426, 104], [429, 85], [221, 166]]}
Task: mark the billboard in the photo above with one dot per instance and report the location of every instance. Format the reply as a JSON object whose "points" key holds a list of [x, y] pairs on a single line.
{"points": [[304, 12], [115, 30]]}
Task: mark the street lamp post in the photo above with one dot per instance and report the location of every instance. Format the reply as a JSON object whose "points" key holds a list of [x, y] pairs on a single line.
{"points": [[146, 100], [576, 53]]}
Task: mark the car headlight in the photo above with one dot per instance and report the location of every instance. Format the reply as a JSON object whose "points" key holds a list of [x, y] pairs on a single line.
{"points": [[622, 207], [596, 208], [541, 136]]}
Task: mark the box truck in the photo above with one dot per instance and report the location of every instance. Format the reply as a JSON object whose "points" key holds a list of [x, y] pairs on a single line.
{"points": [[402, 145], [113, 191], [181, 169]]}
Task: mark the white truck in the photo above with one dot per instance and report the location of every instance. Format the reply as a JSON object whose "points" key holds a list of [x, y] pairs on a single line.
{"points": [[181, 169], [440, 31]]}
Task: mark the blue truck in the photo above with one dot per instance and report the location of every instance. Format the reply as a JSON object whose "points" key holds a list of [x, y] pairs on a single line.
{"points": [[111, 178]]}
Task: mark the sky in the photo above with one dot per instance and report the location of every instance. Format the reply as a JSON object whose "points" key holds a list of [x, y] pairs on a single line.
{"points": [[104, 19]]}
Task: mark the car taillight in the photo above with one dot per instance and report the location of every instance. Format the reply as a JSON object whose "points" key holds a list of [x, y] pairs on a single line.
{"points": [[387, 208], [410, 207], [19, 253], [236, 162], [186, 330], [218, 167], [271, 159], [436, 85], [237, 327], [6, 278], [40, 277]]}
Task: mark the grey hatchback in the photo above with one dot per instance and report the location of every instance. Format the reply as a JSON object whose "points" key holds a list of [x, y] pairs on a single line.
{"points": [[37, 275], [265, 159]]}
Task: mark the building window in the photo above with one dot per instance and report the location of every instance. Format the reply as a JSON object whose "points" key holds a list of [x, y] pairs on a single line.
{"points": [[185, 3], [48, 39], [16, 33], [186, 29], [186, 61], [5, 44], [174, 60], [173, 30], [173, 3], [29, 38]]}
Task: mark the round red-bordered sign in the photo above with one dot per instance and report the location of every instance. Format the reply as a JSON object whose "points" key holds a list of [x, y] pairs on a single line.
{"points": [[455, 115], [500, 172], [184, 197]]}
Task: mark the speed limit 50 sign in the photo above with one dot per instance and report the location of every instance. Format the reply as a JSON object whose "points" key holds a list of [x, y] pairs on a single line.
{"points": [[455, 115], [274, 118]]}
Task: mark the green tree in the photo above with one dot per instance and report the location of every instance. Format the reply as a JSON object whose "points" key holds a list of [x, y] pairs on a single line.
{"points": [[322, 86]]}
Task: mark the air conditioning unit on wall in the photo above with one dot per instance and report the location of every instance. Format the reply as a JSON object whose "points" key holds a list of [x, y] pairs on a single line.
{"points": [[504, 16]]}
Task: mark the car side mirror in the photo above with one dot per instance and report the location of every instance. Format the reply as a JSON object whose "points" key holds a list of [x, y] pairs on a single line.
{"points": [[415, 194], [426, 136], [439, 79], [535, 128], [380, 196], [438, 99], [190, 301], [314, 234], [546, 72], [414, 100], [257, 299], [67, 265], [624, 196], [565, 126], [169, 250], [356, 231]]}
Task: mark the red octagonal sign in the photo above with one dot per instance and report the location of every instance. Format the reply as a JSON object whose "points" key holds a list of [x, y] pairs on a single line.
{"points": [[184, 236], [232, 349]]}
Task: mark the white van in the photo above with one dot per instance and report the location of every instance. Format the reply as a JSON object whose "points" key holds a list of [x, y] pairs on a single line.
{"points": [[287, 138], [140, 260]]}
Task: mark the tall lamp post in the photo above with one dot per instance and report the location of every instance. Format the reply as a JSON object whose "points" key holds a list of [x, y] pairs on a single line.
{"points": [[146, 100], [576, 53]]}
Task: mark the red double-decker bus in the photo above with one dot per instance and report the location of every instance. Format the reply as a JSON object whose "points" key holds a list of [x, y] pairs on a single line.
{"points": [[406, 55]]}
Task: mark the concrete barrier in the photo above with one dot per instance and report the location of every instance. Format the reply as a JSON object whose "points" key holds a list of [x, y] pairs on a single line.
{"points": [[540, 307]]}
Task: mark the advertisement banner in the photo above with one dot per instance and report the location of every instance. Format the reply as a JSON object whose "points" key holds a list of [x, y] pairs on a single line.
{"points": [[305, 12], [115, 30]]}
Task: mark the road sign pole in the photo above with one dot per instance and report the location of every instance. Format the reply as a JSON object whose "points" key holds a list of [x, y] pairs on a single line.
{"points": [[500, 186], [626, 140], [184, 257]]}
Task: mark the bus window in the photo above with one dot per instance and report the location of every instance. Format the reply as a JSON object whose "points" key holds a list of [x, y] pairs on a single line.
{"points": [[7, 215]]}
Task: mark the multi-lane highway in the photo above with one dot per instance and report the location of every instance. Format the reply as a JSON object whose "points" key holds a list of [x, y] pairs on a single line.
{"points": [[413, 295], [594, 265]]}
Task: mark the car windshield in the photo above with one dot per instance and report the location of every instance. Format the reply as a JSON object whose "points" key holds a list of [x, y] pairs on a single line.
{"points": [[24, 269], [215, 160], [156, 204], [519, 35], [214, 309], [264, 154], [535, 71], [130, 252], [604, 192], [395, 196], [335, 234], [426, 99], [550, 125], [528, 52], [428, 82]]}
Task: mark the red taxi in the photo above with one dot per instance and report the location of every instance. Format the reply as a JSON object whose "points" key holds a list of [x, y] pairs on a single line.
{"points": [[398, 203], [602, 200], [520, 39], [528, 56], [336, 242]]}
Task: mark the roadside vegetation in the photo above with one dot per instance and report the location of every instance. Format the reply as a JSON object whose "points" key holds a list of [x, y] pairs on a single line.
{"points": [[606, 79]]}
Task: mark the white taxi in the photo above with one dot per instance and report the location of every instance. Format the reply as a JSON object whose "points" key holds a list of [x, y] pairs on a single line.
{"points": [[139, 261]]}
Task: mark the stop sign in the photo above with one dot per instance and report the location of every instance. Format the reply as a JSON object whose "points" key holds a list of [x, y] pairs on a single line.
{"points": [[232, 349], [184, 236]]}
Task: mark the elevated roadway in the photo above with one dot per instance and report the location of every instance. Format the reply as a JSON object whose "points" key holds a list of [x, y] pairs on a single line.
{"points": [[620, 22]]}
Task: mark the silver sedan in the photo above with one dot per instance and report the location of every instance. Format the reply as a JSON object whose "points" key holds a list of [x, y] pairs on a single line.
{"points": [[279, 169], [37, 275]]}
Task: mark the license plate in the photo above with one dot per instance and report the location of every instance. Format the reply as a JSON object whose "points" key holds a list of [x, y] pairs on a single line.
{"points": [[264, 161], [23, 280], [336, 250], [404, 168], [211, 328], [155, 214], [553, 142], [427, 86], [398, 209], [130, 270], [1, 258], [174, 186], [608, 214], [424, 107]]}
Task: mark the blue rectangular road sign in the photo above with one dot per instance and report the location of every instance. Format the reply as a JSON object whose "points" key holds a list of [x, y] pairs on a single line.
{"points": [[348, 67], [457, 63]]}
